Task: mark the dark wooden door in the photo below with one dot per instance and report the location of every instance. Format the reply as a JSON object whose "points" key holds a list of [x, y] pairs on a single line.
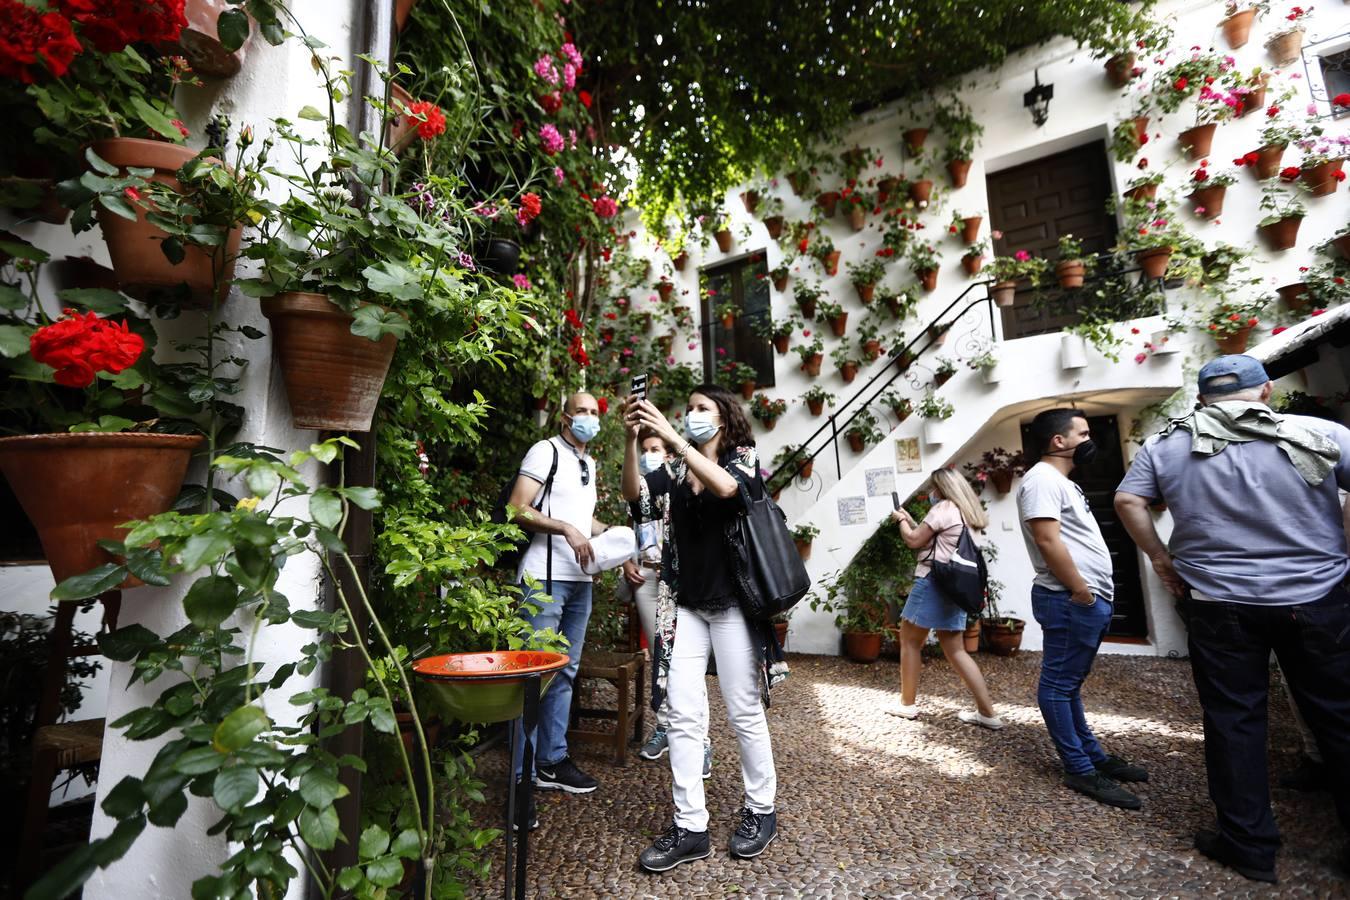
{"points": [[744, 282], [1035, 204], [1098, 482]]}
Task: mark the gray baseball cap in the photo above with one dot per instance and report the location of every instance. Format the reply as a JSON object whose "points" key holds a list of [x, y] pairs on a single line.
{"points": [[1249, 371]]}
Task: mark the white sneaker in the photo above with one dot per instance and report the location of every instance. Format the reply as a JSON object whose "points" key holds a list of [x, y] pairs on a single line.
{"points": [[993, 723], [904, 712]]}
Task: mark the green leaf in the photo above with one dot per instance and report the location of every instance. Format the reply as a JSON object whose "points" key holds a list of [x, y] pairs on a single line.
{"points": [[320, 788], [98, 163], [105, 424], [232, 29], [199, 761], [364, 497], [382, 716], [124, 644], [173, 250], [256, 287], [394, 279], [14, 340], [24, 250], [148, 566], [385, 872], [91, 583], [349, 878], [240, 728], [202, 549], [324, 453], [262, 480], [326, 508], [374, 841], [156, 120], [319, 827], [169, 810], [235, 787], [65, 879], [374, 322], [125, 799], [312, 114], [117, 205], [407, 845], [101, 300], [210, 600], [11, 298]]}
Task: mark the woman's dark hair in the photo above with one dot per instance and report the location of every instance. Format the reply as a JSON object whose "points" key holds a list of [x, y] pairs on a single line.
{"points": [[1052, 422], [735, 426], [645, 434]]}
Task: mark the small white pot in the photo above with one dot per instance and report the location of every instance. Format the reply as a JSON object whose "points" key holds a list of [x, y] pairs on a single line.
{"points": [[935, 430], [990, 375], [1163, 342], [1072, 351]]}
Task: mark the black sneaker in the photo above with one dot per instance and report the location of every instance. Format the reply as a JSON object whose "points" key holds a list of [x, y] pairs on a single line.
{"points": [[1309, 776], [564, 776], [531, 815], [1103, 790], [1212, 844], [755, 832], [674, 847], [1118, 769]]}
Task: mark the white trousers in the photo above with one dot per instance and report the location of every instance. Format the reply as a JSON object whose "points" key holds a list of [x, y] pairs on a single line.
{"points": [[728, 636]]}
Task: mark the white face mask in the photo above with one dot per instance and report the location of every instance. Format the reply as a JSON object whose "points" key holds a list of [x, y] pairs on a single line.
{"points": [[650, 462]]}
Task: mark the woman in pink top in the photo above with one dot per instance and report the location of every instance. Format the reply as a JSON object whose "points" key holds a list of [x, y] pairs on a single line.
{"points": [[954, 505]]}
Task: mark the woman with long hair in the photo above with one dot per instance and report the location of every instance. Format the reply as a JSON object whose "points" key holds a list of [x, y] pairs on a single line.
{"points": [[697, 498], [926, 609]]}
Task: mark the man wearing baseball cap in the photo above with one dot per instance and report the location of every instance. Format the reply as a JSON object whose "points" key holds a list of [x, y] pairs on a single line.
{"points": [[1258, 557]]}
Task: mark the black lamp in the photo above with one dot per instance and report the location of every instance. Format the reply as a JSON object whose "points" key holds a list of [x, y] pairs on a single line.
{"points": [[1038, 100]]}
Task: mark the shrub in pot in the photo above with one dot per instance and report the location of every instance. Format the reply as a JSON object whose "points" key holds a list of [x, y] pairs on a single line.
{"points": [[845, 359], [816, 398], [859, 612], [1284, 212], [1073, 265], [865, 274], [1208, 189], [862, 431], [812, 355], [802, 536]]}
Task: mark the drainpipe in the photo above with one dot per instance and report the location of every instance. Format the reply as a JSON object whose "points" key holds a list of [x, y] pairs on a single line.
{"points": [[373, 35]]}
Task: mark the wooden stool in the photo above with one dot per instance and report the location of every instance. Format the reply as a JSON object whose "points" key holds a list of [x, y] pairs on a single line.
{"points": [[620, 670]]}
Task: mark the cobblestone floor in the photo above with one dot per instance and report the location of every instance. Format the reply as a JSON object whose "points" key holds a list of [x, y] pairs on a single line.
{"points": [[873, 806]]}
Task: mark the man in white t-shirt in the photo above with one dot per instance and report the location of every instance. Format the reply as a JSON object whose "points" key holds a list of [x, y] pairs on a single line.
{"points": [[560, 548], [1071, 600]]}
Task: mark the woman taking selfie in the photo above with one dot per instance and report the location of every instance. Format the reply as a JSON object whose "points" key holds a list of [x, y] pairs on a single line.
{"points": [[954, 505], [697, 497]]}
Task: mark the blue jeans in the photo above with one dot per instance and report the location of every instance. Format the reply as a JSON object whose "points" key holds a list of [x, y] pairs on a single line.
{"points": [[1072, 634], [566, 611]]}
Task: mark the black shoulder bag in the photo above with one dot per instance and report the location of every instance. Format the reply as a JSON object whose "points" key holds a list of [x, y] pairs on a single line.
{"points": [[963, 579], [769, 570]]}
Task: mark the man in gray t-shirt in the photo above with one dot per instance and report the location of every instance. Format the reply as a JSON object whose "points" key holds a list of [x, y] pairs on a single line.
{"points": [[1071, 600], [1258, 556]]}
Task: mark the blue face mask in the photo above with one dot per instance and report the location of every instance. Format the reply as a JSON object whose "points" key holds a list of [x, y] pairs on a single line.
{"points": [[584, 428], [650, 462], [699, 427]]}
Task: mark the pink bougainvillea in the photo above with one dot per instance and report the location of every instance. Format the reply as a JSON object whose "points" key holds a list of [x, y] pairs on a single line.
{"points": [[545, 69], [551, 139]]}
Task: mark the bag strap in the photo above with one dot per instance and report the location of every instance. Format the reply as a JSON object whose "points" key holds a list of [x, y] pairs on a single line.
{"points": [[548, 494], [932, 546]]}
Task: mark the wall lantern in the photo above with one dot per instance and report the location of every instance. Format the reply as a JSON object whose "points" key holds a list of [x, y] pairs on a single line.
{"points": [[1038, 100]]}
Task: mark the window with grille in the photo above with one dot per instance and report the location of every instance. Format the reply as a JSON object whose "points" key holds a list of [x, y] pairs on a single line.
{"points": [[744, 284]]}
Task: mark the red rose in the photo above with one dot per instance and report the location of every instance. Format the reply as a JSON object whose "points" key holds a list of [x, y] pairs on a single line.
{"points": [[603, 404], [32, 42], [431, 121], [80, 346]]}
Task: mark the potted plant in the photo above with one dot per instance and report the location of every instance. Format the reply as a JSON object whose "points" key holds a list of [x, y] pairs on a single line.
{"points": [[856, 203], [1128, 137], [726, 314], [664, 288], [865, 274], [807, 295], [845, 361], [894, 240], [1322, 161], [1074, 265], [1196, 75], [812, 355], [924, 262], [967, 227], [1265, 160], [1237, 23], [862, 431], [1151, 234], [1284, 212], [767, 411], [771, 214], [793, 461], [944, 371], [802, 536], [901, 304], [987, 365], [935, 412], [823, 249], [836, 316], [779, 332], [868, 339], [1231, 322], [1285, 44], [1145, 187], [779, 276], [972, 258], [721, 232], [827, 202], [958, 123], [921, 192], [740, 376], [1002, 633], [900, 406], [1250, 88], [1208, 189], [1340, 241], [1007, 271], [816, 398], [860, 614], [997, 466], [914, 139]]}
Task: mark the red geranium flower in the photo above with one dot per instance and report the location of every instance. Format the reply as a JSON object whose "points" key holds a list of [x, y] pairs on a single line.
{"points": [[1341, 100], [27, 36], [1279, 328], [80, 346], [1289, 173], [605, 207], [1180, 83], [530, 208], [603, 404], [585, 98], [1339, 175], [431, 121], [551, 102], [112, 24], [1272, 111]]}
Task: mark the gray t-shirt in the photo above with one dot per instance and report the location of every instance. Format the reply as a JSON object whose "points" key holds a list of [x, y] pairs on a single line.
{"points": [[1046, 494], [1246, 527]]}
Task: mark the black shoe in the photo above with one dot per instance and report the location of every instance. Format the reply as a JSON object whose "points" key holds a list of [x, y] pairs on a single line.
{"points": [[674, 847], [1309, 776], [1103, 790], [1118, 769], [1212, 844], [564, 776], [755, 832], [531, 815]]}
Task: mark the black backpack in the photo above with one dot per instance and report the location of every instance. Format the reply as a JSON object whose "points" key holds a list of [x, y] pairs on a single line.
{"points": [[964, 579], [509, 560]]}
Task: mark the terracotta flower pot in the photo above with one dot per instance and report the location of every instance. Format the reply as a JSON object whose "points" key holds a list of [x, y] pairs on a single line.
{"points": [[1295, 296], [804, 551], [812, 366], [799, 181], [333, 377], [1268, 161], [815, 406], [1342, 244], [970, 638], [893, 305], [1208, 201], [958, 170], [855, 442], [780, 342], [902, 413], [78, 489], [848, 371], [774, 225], [906, 359], [886, 187], [865, 292], [1281, 235], [872, 350], [541, 403], [679, 260], [1003, 637], [135, 247], [972, 264], [1321, 179], [804, 472], [751, 201], [941, 378], [1153, 260], [831, 263], [839, 324], [914, 139], [1142, 192], [729, 321], [1070, 273], [1140, 129], [1004, 293], [200, 41], [921, 191], [928, 277], [780, 284], [666, 342], [1002, 479], [1120, 69], [1255, 98], [828, 201], [1197, 141], [1285, 48], [807, 306], [1235, 342], [402, 128], [402, 10], [861, 646], [663, 289], [857, 218], [1237, 28], [748, 389], [970, 229], [723, 238]]}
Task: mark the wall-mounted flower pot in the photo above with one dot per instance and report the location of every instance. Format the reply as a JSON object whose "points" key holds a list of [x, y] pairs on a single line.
{"points": [[1237, 28], [500, 256], [940, 378], [906, 359], [856, 442], [1285, 48], [1002, 480], [1208, 201], [679, 260], [748, 389], [729, 321], [1072, 351], [1197, 141], [1003, 637], [893, 306], [804, 551], [485, 687], [1120, 69], [402, 10], [862, 647], [723, 238], [815, 406], [1142, 192], [970, 229], [865, 292], [1140, 129], [780, 284], [751, 201], [1321, 179], [799, 181], [79, 489], [972, 263], [1163, 343], [1268, 160], [774, 225], [872, 350], [1342, 244], [808, 307], [902, 412], [831, 263], [200, 41], [666, 342], [1004, 293], [1070, 273], [839, 324], [938, 333], [990, 374], [664, 289], [1255, 98], [914, 139], [886, 187], [1153, 260], [1235, 342], [958, 170], [780, 342], [828, 201], [769, 423], [1294, 296], [935, 431], [928, 278], [134, 248], [848, 371], [1281, 235], [811, 366], [857, 218], [921, 192], [333, 377]]}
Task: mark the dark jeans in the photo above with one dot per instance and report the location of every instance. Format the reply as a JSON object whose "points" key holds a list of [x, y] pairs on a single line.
{"points": [[1072, 633], [1230, 645]]}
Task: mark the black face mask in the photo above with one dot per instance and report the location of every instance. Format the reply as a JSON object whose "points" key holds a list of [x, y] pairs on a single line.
{"points": [[1083, 454]]}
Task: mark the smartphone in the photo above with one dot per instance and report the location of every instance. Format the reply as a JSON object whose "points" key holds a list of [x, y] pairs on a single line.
{"points": [[638, 388], [895, 499]]}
